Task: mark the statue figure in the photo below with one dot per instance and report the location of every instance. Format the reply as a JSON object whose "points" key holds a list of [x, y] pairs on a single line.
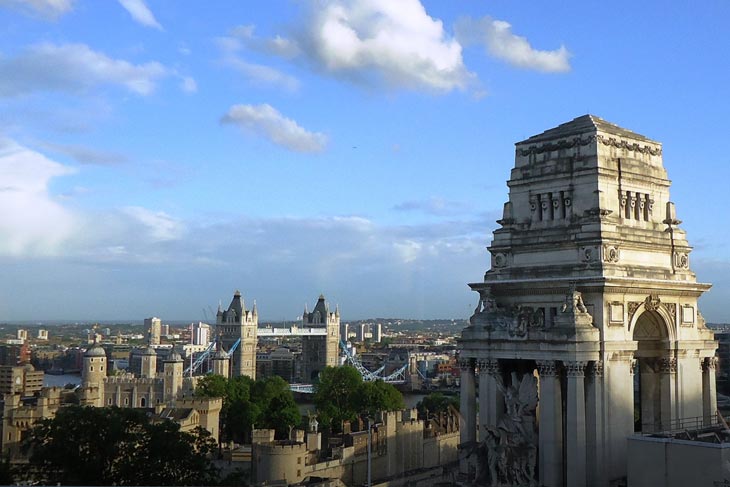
{"points": [[574, 301], [511, 447]]}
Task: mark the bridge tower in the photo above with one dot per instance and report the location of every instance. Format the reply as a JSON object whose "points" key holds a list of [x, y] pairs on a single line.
{"points": [[320, 351], [238, 323]]}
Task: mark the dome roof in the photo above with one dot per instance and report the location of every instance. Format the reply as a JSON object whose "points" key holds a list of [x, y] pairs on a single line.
{"points": [[174, 357], [95, 350], [148, 351]]}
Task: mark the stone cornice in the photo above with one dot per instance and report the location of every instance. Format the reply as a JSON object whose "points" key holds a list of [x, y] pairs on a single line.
{"points": [[581, 142], [618, 285]]}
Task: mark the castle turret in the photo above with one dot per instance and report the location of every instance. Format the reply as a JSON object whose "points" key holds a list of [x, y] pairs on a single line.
{"points": [[93, 373], [221, 362], [172, 376], [149, 363]]}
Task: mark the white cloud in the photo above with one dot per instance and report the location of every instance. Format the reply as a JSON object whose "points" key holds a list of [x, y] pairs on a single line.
{"points": [[188, 85], [277, 45], [140, 13], [73, 68], [433, 206], [500, 42], [50, 9], [382, 41], [256, 73], [31, 221], [160, 225], [86, 155], [266, 121]]}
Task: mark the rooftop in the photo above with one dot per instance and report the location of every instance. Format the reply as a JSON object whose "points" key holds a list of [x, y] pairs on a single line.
{"points": [[582, 125]]}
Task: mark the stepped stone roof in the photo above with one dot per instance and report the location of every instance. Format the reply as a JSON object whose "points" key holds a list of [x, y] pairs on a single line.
{"points": [[582, 125]]}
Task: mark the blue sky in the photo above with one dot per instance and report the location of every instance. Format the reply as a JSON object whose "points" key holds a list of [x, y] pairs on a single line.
{"points": [[157, 155]]}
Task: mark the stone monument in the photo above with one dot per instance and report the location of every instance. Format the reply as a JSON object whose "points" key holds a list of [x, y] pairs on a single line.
{"points": [[586, 328]]}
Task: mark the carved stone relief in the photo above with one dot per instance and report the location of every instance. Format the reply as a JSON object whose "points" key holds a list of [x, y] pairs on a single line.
{"points": [[589, 254], [508, 454], [608, 141], [610, 253], [681, 260], [501, 259]]}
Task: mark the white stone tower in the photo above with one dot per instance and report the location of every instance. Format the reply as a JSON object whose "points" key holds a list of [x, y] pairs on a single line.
{"points": [[221, 362], [590, 295], [320, 351], [92, 375], [238, 323], [172, 376], [148, 363]]}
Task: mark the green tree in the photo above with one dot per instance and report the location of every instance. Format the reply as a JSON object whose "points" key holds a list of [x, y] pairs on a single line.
{"points": [[378, 396], [334, 396], [275, 406], [341, 395], [266, 403], [436, 402], [105, 446]]}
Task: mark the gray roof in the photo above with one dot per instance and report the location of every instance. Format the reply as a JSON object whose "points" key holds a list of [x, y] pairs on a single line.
{"points": [[582, 125], [95, 351], [236, 308]]}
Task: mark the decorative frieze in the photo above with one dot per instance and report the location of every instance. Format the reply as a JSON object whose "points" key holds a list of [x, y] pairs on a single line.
{"points": [[709, 364], [667, 365], [466, 364], [578, 142], [595, 369], [575, 369], [547, 368], [489, 367]]}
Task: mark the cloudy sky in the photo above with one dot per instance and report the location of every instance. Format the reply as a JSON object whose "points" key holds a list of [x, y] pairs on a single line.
{"points": [[157, 155]]}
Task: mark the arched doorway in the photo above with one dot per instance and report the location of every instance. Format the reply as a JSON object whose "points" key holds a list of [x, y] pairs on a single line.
{"points": [[652, 374]]}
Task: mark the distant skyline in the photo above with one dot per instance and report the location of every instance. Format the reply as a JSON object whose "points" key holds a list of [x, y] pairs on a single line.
{"points": [[157, 155]]}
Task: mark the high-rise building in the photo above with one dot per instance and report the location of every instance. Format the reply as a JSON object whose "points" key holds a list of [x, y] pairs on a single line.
{"points": [[153, 326], [376, 331], [201, 334]]}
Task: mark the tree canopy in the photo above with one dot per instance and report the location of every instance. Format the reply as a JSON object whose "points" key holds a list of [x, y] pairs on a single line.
{"points": [[105, 446], [436, 402], [264, 403], [340, 394]]}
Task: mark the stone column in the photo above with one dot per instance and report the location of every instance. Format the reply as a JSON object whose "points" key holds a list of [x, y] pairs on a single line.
{"points": [[618, 410], [575, 427], [550, 425], [467, 427], [491, 401], [667, 385], [595, 472], [650, 400], [709, 390]]}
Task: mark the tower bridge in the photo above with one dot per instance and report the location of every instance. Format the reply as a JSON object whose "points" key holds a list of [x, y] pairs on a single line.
{"points": [[234, 350]]}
